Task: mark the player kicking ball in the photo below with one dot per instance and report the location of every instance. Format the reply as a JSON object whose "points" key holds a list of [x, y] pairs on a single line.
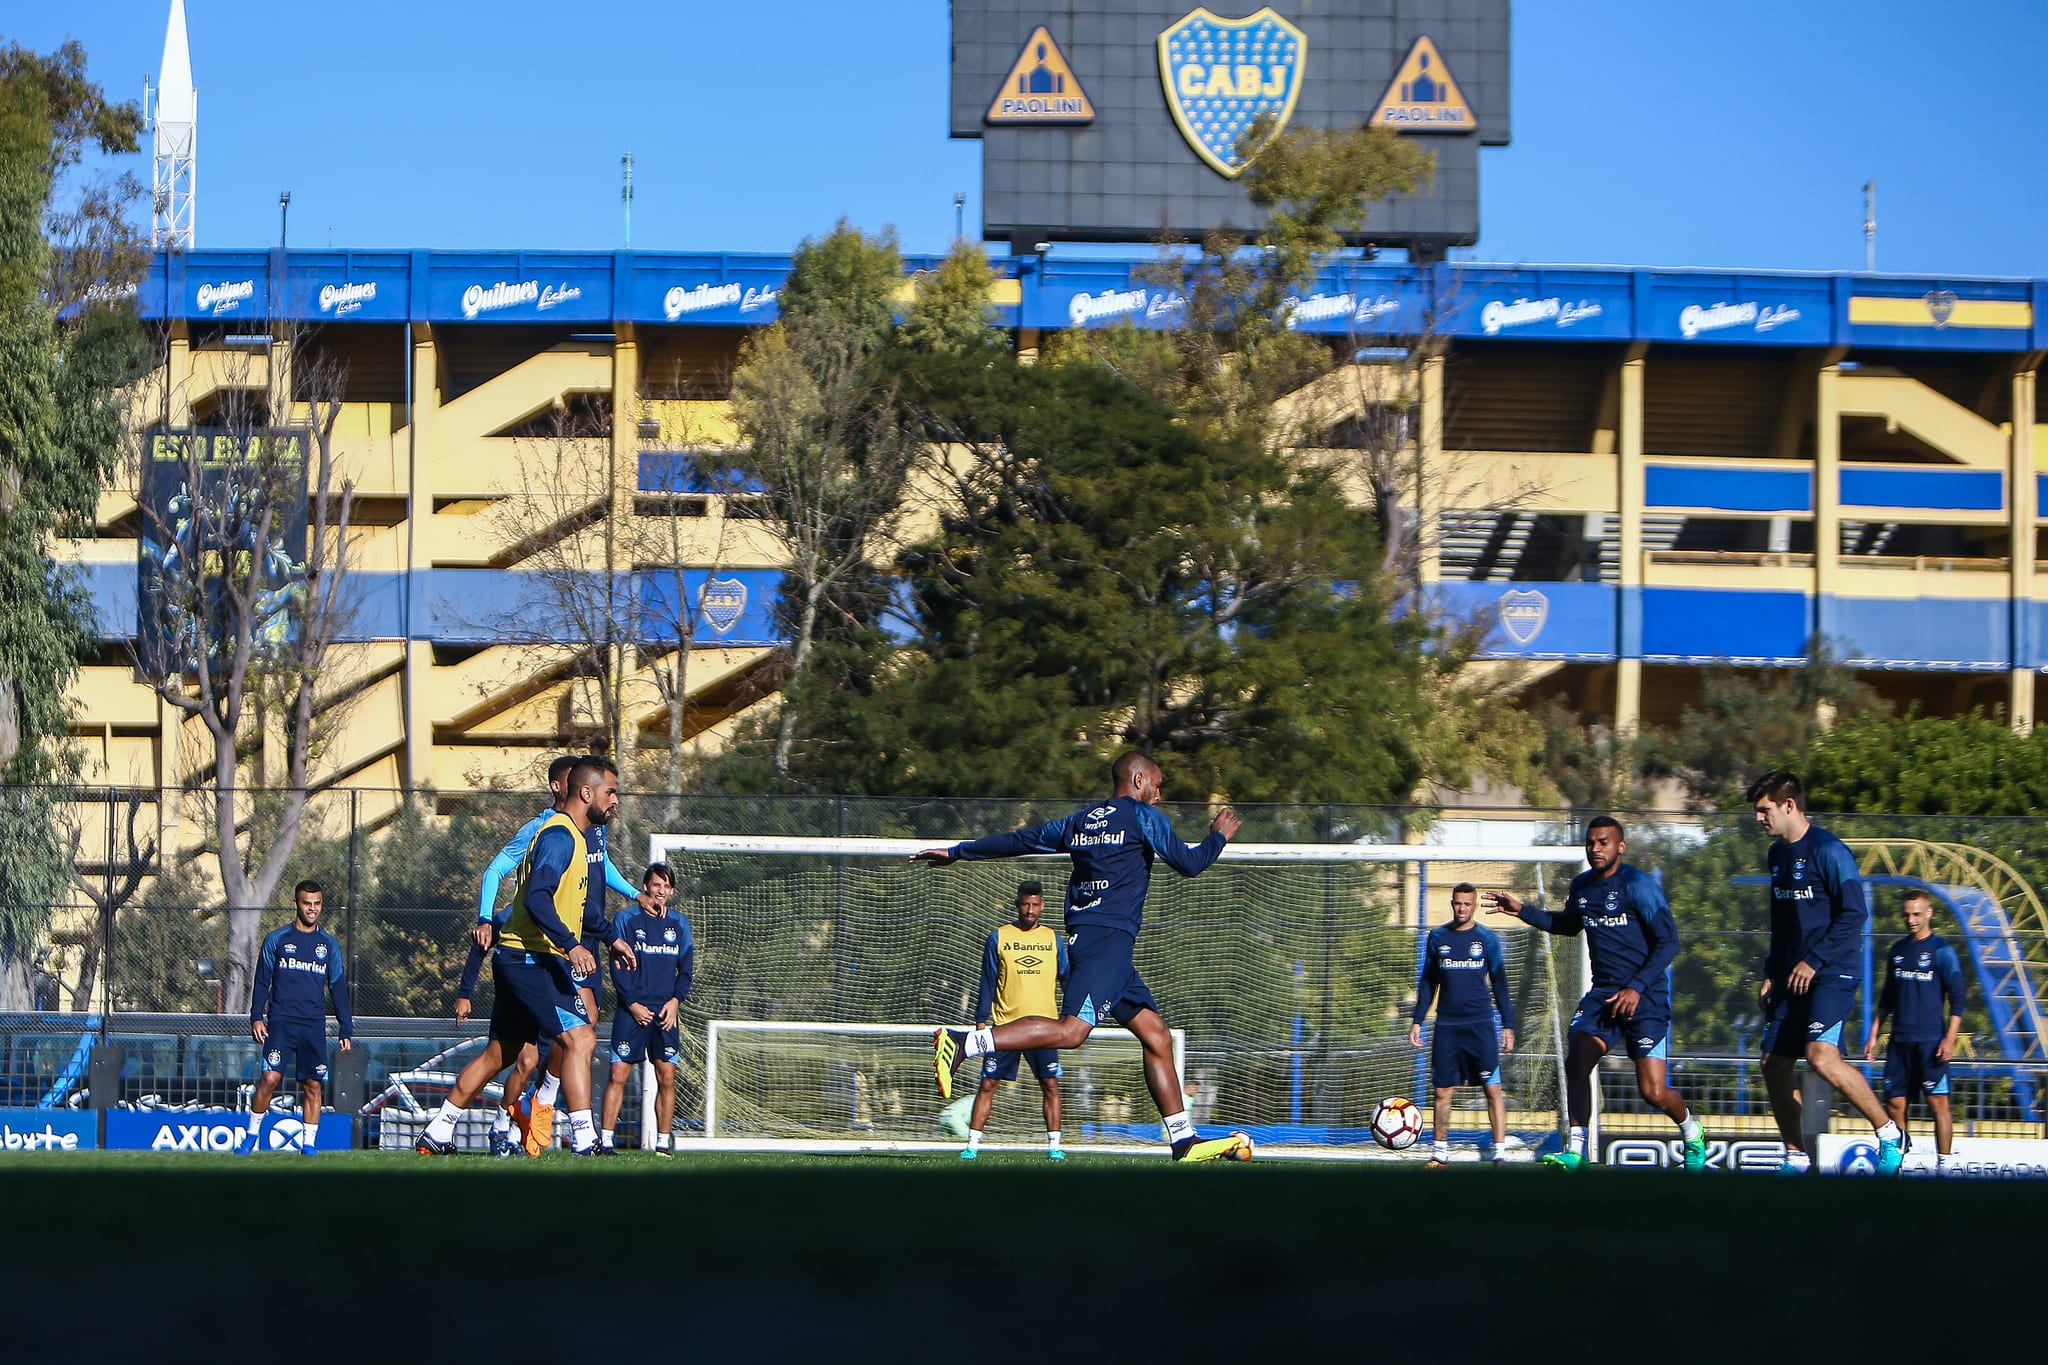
{"points": [[1113, 845]]}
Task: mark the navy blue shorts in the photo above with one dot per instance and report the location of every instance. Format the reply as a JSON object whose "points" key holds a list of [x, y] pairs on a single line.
{"points": [[1912, 1070], [633, 1042], [1464, 1054], [1102, 984], [302, 1043], [1002, 1066], [1646, 1034], [536, 998], [1815, 1017]]}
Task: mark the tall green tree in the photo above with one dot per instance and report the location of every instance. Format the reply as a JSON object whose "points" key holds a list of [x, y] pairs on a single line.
{"points": [[68, 339], [823, 446], [1103, 577], [1234, 356]]}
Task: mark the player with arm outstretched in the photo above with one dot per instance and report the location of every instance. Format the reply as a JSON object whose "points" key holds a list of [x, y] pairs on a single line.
{"points": [[1021, 967], [1813, 970], [1632, 940], [297, 970], [651, 995], [531, 965], [1923, 997], [1474, 1025], [1113, 846]]}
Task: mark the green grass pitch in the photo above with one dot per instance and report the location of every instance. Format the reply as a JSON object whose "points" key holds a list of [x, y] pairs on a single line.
{"points": [[772, 1257]]}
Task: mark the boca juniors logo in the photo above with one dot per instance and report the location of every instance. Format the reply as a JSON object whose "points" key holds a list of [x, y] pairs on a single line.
{"points": [[1522, 614], [724, 600], [1222, 75]]}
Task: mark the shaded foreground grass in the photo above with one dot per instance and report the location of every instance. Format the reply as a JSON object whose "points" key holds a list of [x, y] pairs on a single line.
{"points": [[770, 1257]]}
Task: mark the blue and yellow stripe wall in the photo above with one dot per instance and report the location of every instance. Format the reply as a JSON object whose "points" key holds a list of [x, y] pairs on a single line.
{"points": [[1742, 461]]}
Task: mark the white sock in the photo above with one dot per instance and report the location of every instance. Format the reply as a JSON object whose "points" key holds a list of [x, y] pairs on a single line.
{"points": [[980, 1040], [1688, 1127], [1889, 1133], [1441, 1151], [582, 1132], [1941, 1163], [256, 1120], [309, 1136], [1178, 1129], [1798, 1161], [1576, 1142], [442, 1129], [548, 1090], [1052, 1138], [661, 1142], [609, 1137], [973, 1139], [501, 1122]]}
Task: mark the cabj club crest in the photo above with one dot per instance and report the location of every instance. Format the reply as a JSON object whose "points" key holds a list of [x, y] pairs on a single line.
{"points": [[1222, 74], [724, 600], [1522, 614]]}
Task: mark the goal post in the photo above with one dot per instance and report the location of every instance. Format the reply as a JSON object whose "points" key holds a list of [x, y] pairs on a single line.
{"points": [[1287, 972], [824, 1086]]}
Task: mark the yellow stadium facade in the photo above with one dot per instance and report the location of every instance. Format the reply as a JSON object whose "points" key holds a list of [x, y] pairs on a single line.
{"points": [[1625, 476]]}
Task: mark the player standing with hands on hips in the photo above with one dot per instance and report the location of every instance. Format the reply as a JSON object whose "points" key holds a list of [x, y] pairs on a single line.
{"points": [[1632, 939], [1818, 908], [1113, 845]]}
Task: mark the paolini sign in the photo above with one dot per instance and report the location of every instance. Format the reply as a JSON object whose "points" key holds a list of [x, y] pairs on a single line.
{"points": [[1102, 122]]}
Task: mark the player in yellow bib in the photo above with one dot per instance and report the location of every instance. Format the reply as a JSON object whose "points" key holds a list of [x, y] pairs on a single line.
{"points": [[536, 953], [1020, 972]]}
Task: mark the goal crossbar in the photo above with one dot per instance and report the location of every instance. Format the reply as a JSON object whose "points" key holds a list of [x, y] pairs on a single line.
{"points": [[716, 1029], [660, 846]]}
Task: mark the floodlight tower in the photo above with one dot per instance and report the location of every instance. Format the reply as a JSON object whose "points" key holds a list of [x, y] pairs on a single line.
{"points": [[174, 123]]}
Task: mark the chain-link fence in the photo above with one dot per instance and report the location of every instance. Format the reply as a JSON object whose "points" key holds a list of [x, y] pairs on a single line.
{"points": [[138, 945]]}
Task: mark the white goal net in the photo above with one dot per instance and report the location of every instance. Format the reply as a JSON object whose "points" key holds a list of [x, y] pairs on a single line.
{"points": [[1286, 970]]}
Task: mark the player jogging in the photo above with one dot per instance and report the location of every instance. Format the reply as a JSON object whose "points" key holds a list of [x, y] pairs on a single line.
{"points": [[1460, 961], [1923, 997], [651, 994], [531, 966], [1112, 845], [1631, 939], [537, 1123], [1021, 965], [1818, 907], [297, 970]]}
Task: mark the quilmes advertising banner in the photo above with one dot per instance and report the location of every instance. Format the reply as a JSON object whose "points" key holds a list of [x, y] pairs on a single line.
{"points": [[215, 1130], [223, 513], [48, 1130]]}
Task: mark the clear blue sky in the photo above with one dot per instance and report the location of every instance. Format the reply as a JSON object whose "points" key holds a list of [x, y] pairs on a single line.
{"points": [[1736, 133]]}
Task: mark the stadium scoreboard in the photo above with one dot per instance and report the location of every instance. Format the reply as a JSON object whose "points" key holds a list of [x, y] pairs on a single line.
{"points": [[1112, 121]]}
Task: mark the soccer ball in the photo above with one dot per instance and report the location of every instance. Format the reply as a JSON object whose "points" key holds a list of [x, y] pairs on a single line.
{"points": [[1396, 1124]]}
